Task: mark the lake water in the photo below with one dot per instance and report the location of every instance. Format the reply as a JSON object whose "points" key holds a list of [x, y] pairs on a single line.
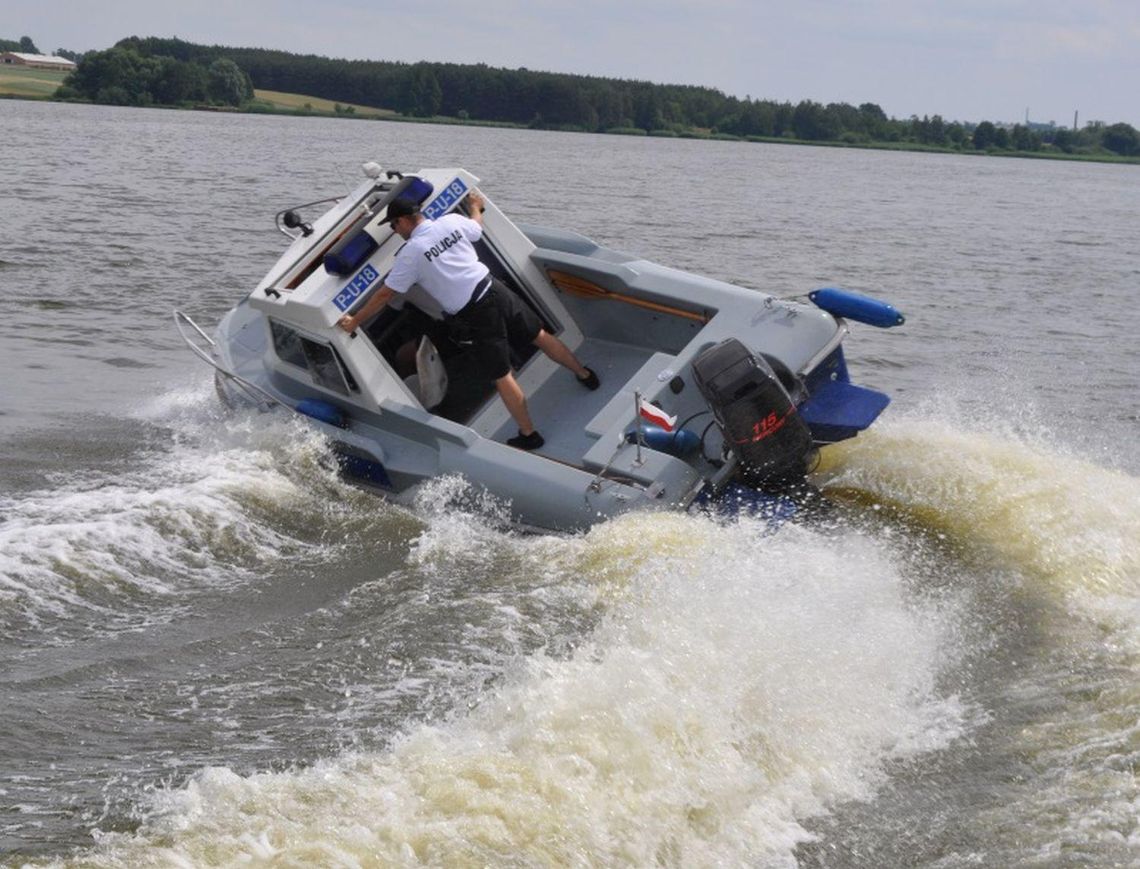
{"points": [[213, 651]]}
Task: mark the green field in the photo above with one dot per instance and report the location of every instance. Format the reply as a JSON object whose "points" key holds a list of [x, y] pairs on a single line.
{"points": [[19, 81], [300, 102]]}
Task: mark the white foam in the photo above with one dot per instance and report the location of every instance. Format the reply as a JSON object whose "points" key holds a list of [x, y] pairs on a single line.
{"points": [[1063, 533], [737, 685], [1060, 519], [201, 511]]}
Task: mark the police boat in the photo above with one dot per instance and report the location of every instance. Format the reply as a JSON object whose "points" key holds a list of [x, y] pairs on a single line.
{"points": [[712, 396]]}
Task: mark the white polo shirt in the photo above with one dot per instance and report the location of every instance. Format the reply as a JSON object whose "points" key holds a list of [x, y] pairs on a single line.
{"points": [[440, 258]]}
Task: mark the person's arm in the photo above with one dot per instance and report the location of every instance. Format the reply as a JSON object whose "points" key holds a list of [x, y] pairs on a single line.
{"points": [[350, 322], [475, 205]]}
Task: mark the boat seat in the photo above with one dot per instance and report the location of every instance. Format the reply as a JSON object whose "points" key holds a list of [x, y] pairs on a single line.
{"points": [[619, 410], [429, 383]]}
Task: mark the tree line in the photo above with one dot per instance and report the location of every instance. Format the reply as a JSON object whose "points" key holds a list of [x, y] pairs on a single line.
{"points": [[126, 76], [149, 71], [25, 45]]}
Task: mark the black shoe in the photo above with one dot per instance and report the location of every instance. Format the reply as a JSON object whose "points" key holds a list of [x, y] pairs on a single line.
{"points": [[590, 381], [531, 441]]}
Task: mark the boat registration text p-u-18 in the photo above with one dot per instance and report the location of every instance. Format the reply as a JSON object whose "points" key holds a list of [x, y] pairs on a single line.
{"points": [[352, 290]]}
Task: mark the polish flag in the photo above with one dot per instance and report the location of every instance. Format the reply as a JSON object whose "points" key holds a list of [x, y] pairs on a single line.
{"points": [[657, 416]]}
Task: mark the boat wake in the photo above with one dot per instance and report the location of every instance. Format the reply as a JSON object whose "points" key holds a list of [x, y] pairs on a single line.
{"points": [[733, 685], [1061, 521], [1054, 547], [684, 692], [195, 506]]}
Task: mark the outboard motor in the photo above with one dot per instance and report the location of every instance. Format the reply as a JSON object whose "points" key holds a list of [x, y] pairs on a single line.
{"points": [[755, 414]]}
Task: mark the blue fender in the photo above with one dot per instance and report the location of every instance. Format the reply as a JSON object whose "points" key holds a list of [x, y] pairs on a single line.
{"points": [[321, 410], [852, 306]]}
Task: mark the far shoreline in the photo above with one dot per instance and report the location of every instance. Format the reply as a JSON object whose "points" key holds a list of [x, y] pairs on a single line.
{"points": [[372, 114]]}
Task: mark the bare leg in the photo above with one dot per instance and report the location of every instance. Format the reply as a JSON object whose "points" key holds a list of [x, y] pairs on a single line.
{"points": [[512, 395], [560, 353]]}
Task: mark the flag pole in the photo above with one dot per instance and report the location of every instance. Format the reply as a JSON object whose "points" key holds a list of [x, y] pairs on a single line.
{"points": [[637, 423]]}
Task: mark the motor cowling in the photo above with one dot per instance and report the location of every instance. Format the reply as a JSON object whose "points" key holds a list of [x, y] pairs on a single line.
{"points": [[755, 413]]}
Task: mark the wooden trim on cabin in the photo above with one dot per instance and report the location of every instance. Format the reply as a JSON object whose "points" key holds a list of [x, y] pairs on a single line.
{"points": [[578, 286]]}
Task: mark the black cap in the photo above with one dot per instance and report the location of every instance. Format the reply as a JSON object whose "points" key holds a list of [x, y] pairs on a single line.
{"points": [[401, 208]]}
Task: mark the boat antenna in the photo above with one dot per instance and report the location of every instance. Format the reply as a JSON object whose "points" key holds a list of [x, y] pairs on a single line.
{"points": [[343, 178]]}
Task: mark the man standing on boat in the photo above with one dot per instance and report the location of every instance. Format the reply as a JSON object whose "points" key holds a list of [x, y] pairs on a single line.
{"points": [[440, 256]]}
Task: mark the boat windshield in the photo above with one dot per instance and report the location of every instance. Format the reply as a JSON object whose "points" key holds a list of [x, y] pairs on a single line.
{"points": [[319, 358]]}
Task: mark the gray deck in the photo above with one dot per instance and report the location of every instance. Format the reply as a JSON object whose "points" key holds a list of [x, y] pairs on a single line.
{"points": [[562, 409]]}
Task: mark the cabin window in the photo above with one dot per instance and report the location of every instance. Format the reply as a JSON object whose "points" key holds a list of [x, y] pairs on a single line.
{"points": [[287, 343], [318, 358]]}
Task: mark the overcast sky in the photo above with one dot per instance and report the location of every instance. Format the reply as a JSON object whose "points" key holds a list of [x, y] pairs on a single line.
{"points": [[968, 60]]}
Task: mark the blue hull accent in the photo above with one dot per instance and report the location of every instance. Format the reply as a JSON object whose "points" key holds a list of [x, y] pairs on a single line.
{"points": [[736, 500], [852, 306], [353, 463]]}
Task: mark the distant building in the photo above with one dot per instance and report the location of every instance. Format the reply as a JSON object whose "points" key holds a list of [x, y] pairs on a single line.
{"points": [[37, 61]]}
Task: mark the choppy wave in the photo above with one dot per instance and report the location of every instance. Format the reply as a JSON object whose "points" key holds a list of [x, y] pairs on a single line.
{"points": [[1063, 521], [735, 685], [724, 686], [1066, 534], [211, 504]]}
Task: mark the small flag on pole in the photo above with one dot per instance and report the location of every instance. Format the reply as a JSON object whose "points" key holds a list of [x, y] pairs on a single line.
{"points": [[656, 415]]}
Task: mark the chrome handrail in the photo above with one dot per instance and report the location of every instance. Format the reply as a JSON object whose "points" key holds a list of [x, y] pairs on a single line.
{"points": [[255, 392], [278, 218]]}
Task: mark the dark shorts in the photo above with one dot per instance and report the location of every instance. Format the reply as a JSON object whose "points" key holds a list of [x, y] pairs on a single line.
{"points": [[492, 325]]}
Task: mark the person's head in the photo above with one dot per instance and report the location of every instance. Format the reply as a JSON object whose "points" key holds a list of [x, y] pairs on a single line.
{"points": [[403, 216]]}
